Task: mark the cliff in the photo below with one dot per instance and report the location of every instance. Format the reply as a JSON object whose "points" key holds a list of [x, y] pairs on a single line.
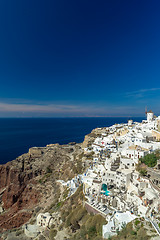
{"points": [[26, 182]]}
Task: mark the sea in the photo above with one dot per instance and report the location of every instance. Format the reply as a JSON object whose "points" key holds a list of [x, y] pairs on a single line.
{"points": [[17, 135]]}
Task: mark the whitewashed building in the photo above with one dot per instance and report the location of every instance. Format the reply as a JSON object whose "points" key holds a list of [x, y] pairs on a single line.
{"points": [[44, 220]]}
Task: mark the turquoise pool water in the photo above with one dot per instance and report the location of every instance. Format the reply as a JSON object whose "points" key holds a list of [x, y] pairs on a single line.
{"points": [[106, 192]]}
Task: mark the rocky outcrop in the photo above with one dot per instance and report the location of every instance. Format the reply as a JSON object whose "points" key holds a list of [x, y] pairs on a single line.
{"points": [[16, 193], [14, 220], [88, 140], [19, 196], [31, 179]]}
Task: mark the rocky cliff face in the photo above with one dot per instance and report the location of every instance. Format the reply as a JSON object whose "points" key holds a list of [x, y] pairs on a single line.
{"points": [[16, 193], [31, 179], [90, 138]]}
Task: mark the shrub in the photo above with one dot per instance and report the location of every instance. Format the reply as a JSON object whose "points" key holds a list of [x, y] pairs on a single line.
{"points": [[59, 204], [65, 193], [133, 232], [150, 160], [80, 213], [142, 234], [88, 223], [60, 227], [64, 215], [143, 172], [92, 231], [85, 218], [48, 170], [52, 226], [37, 209], [137, 222], [18, 233], [100, 221], [52, 234], [96, 222], [41, 237], [68, 220]]}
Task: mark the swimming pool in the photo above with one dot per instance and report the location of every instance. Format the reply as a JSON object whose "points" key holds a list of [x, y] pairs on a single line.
{"points": [[104, 188]]}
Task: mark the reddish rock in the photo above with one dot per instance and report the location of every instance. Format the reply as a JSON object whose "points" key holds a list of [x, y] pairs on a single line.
{"points": [[17, 194], [19, 181], [14, 220]]}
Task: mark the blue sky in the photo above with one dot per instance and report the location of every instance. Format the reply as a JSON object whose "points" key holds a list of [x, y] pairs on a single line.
{"points": [[72, 58]]}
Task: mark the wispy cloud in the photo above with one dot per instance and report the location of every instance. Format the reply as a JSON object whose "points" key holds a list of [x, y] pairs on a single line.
{"points": [[45, 109], [141, 92]]}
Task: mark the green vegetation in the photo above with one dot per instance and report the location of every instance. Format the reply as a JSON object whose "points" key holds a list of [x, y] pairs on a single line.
{"points": [[137, 222], [18, 233], [76, 218], [91, 229], [85, 226], [37, 209], [45, 178], [65, 193], [48, 170], [142, 169], [133, 232], [55, 204], [151, 159], [78, 196], [52, 234], [78, 167], [129, 233], [143, 172], [59, 204]]}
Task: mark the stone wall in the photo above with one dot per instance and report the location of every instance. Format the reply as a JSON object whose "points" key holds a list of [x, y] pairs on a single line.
{"points": [[90, 209], [35, 151]]}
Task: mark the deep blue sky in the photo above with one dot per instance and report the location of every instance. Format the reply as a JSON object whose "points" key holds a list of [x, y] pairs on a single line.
{"points": [[79, 58]]}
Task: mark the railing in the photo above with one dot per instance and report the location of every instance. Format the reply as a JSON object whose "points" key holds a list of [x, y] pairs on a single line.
{"points": [[155, 227], [154, 186], [97, 210]]}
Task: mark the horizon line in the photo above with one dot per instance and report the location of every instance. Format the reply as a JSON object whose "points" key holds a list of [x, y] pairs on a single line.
{"points": [[78, 117]]}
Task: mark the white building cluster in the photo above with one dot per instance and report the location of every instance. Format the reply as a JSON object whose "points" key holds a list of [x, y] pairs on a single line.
{"points": [[112, 182], [112, 185]]}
